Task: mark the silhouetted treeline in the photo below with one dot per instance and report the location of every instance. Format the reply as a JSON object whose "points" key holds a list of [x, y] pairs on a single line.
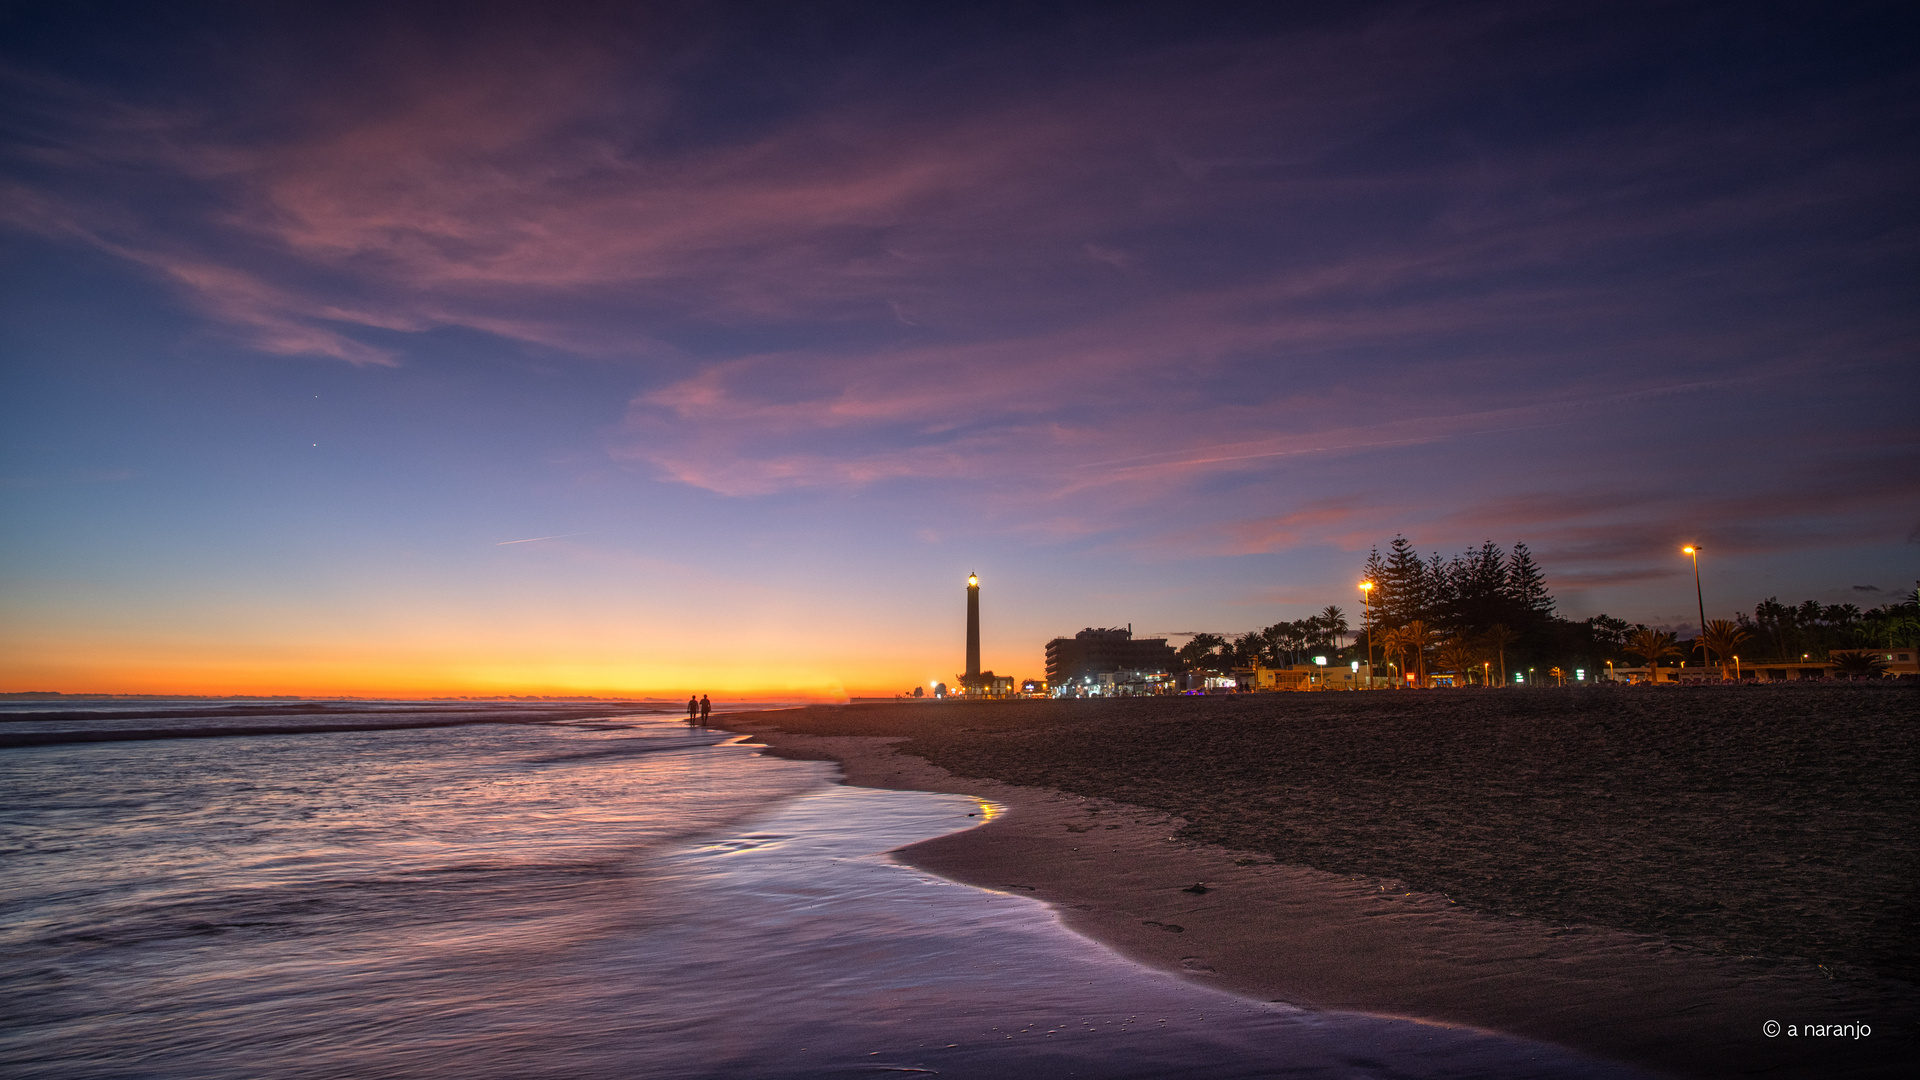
{"points": [[1815, 629], [1486, 602], [1475, 590], [1487, 595], [1487, 613], [1281, 644]]}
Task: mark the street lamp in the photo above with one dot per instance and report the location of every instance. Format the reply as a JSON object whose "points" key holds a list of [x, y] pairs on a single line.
{"points": [[1366, 616], [1693, 551]]}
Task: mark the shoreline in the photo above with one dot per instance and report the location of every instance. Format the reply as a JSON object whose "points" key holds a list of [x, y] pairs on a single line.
{"points": [[1239, 921]]}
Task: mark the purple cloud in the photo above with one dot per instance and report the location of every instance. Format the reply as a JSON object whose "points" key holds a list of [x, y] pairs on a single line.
{"points": [[1225, 296]]}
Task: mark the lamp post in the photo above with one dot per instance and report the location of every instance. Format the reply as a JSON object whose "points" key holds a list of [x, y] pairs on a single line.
{"points": [[1366, 616], [1693, 551]]}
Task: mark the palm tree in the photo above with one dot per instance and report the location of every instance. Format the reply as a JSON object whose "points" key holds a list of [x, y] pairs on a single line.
{"points": [[1654, 646], [1334, 621], [1858, 664], [1457, 655], [1419, 638], [1198, 652], [1723, 636], [1393, 645], [1249, 649], [1299, 638], [1497, 638]]}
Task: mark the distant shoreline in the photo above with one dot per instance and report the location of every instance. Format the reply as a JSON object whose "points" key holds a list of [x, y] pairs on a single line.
{"points": [[170, 718], [1125, 870], [59, 695], [308, 718]]}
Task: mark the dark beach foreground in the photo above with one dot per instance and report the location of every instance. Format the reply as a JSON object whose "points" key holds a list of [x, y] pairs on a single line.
{"points": [[1647, 874]]}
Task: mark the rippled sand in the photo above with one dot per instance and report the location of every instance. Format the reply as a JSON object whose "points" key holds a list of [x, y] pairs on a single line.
{"points": [[1767, 833]]}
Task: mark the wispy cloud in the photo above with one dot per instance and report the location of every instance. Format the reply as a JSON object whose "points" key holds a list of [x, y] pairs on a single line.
{"points": [[535, 539], [1123, 299]]}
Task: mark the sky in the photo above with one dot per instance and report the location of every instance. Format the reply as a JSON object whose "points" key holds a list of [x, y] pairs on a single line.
{"points": [[632, 349]]}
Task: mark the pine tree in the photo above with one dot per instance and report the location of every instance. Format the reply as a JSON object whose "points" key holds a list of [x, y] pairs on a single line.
{"points": [[1527, 587], [1481, 588], [1404, 583], [1372, 621], [1437, 604], [1376, 570]]}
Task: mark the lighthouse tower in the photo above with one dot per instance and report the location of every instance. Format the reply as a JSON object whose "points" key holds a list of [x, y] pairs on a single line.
{"points": [[972, 677]]}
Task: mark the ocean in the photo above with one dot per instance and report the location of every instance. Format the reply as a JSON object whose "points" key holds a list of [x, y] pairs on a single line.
{"points": [[554, 893]]}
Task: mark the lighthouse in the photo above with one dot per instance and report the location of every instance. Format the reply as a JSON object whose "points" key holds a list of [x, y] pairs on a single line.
{"points": [[972, 677], [977, 683]]}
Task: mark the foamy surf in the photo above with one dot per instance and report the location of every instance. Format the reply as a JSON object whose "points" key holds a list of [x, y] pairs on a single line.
{"points": [[567, 901]]}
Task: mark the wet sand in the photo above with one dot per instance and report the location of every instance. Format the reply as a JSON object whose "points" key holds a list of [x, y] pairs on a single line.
{"points": [[1644, 875]]}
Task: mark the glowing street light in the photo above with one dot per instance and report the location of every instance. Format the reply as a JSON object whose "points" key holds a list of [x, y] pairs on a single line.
{"points": [[1693, 551]]}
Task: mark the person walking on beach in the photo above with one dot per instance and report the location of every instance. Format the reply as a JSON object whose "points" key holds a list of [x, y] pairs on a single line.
{"points": [[693, 710], [706, 707]]}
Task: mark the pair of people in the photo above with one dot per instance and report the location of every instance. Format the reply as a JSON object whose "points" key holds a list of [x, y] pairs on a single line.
{"points": [[698, 709]]}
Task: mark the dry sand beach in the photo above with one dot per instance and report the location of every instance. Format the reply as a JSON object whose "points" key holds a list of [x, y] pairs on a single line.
{"points": [[1647, 875]]}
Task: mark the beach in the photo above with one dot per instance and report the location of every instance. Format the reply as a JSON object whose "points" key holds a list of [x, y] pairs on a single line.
{"points": [[578, 897], [1645, 875]]}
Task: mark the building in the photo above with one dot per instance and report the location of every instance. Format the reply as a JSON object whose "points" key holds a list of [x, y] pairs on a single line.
{"points": [[1763, 670], [975, 683], [973, 630], [1123, 684], [1260, 678], [1075, 661], [1901, 661]]}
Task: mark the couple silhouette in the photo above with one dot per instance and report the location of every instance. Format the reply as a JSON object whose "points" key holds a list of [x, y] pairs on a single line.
{"points": [[697, 710]]}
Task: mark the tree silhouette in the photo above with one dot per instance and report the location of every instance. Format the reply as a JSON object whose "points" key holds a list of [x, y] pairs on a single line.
{"points": [[1653, 645], [1723, 636], [1249, 649], [1457, 655], [1418, 638], [1199, 651], [1478, 588], [1858, 665], [1403, 588], [1334, 622], [1527, 586], [1498, 638], [1393, 648]]}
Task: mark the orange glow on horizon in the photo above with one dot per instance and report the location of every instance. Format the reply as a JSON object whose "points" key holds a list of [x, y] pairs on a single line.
{"points": [[392, 640], [487, 669]]}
